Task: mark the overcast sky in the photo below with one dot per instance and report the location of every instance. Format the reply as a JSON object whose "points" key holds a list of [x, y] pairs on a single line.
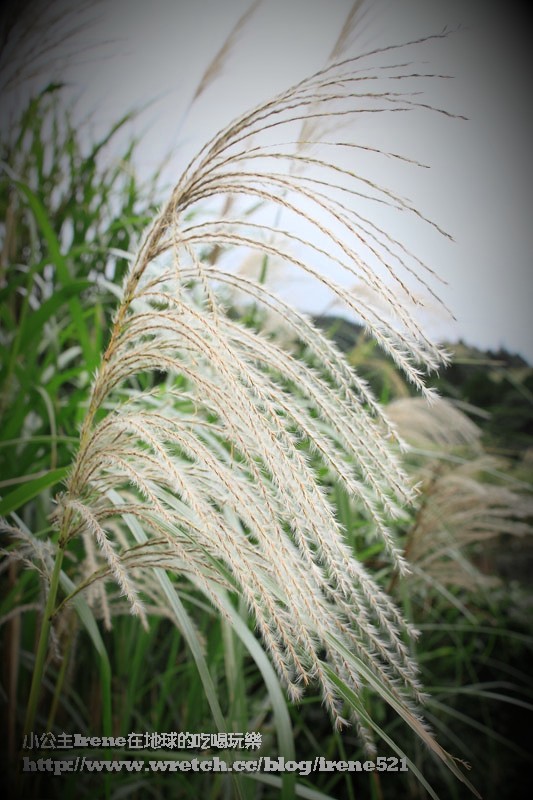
{"points": [[479, 187]]}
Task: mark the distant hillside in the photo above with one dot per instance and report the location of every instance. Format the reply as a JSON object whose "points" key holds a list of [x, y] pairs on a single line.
{"points": [[496, 382]]}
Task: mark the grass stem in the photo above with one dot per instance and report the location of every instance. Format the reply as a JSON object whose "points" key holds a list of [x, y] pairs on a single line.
{"points": [[42, 646]]}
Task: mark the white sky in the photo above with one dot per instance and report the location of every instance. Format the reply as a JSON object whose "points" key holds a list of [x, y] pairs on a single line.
{"points": [[479, 187]]}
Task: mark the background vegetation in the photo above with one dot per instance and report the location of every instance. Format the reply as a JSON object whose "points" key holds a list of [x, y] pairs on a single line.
{"points": [[71, 218]]}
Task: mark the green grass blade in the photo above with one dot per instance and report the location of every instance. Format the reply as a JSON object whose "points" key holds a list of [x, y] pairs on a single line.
{"points": [[86, 616], [398, 706], [299, 791], [182, 620], [277, 698], [60, 263], [353, 700], [18, 497], [38, 318]]}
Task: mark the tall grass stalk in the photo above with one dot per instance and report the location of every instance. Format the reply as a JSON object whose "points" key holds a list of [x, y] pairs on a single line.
{"points": [[42, 646]]}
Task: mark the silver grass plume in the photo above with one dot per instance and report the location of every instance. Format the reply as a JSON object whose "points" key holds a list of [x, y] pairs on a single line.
{"points": [[468, 498], [217, 461]]}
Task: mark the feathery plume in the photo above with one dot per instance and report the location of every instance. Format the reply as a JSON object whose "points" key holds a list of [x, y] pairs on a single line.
{"points": [[218, 459]]}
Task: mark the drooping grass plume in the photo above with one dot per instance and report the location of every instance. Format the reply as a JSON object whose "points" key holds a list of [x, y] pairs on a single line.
{"points": [[213, 435], [216, 64], [468, 498]]}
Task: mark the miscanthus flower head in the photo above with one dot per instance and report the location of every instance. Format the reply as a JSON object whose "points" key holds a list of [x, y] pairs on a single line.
{"points": [[219, 442]]}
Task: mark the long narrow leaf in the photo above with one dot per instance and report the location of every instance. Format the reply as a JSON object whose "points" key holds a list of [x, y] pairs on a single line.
{"points": [[23, 494]]}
